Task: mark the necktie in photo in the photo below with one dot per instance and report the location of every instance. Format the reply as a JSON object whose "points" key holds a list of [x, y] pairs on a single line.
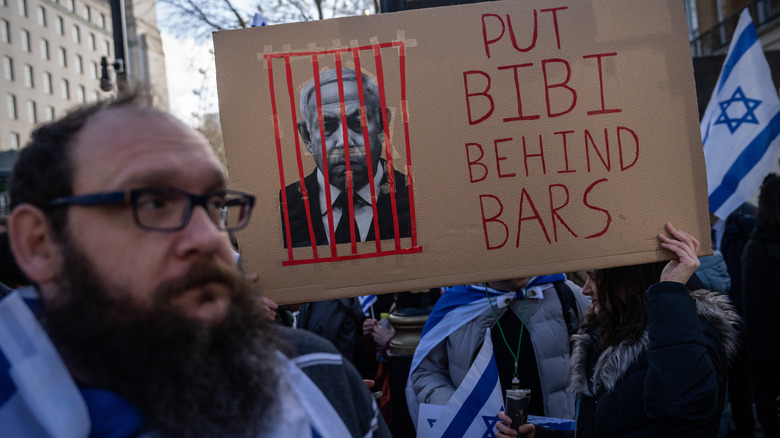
{"points": [[342, 229]]}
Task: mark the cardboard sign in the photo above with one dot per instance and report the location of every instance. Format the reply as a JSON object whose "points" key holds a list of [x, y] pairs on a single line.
{"points": [[486, 141]]}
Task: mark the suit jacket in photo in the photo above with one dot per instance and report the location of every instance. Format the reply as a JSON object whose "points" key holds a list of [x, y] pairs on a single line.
{"points": [[299, 225]]}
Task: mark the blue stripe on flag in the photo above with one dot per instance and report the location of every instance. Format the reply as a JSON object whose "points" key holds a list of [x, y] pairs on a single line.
{"points": [[7, 386], [475, 401], [746, 39], [366, 301], [748, 159]]}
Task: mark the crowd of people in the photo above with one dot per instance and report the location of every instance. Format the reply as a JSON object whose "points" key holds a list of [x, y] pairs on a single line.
{"points": [[119, 240]]}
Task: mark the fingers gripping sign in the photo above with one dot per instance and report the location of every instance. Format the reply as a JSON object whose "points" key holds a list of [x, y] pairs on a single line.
{"points": [[686, 248]]}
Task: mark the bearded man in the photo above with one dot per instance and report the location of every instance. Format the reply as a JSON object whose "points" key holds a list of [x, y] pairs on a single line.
{"points": [[120, 218]]}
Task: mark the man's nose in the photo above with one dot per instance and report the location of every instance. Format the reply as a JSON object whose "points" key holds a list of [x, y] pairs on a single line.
{"points": [[200, 235], [339, 143]]}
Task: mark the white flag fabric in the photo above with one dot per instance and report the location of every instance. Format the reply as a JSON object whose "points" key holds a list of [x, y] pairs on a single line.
{"points": [[473, 409], [366, 301], [38, 398], [741, 125]]}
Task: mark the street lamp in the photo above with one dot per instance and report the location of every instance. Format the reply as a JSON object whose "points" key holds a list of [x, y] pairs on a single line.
{"points": [[121, 64]]}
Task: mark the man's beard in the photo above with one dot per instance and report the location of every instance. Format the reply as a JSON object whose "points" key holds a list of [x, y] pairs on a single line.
{"points": [[188, 379]]}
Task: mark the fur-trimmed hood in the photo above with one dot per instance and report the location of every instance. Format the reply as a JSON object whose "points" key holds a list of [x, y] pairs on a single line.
{"points": [[615, 360]]}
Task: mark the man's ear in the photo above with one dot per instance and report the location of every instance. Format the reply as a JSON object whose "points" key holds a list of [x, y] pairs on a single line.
{"points": [[304, 131], [33, 244]]}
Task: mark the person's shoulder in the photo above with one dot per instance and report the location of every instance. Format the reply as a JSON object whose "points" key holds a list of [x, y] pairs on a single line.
{"points": [[401, 179], [305, 342], [573, 286], [296, 205], [292, 193], [717, 310], [581, 301], [295, 187]]}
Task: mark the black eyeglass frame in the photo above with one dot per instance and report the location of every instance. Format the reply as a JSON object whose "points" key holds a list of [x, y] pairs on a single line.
{"points": [[131, 197]]}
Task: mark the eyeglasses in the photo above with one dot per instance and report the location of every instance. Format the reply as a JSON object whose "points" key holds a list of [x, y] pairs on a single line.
{"points": [[169, 209]]}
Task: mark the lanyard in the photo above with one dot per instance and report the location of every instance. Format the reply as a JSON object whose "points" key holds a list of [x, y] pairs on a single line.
{"points": [[515, 356]]}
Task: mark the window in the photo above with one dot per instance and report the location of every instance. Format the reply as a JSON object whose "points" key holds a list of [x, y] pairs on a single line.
{"points": [[60, 25], [5, 31], [94, 70], [82, 94], [72, 5], [29, 78], [11, 101], [23, 8], [76, 34], [106, 48], [63, 56], [47, 83], [95, 95], [41, 16], [25, 40], [79, 64], [92, 41], [32, 117], [8, 68], [65, 89], [103, 20], [45, 49], [87, 13], [15, 140], [49, 113]]}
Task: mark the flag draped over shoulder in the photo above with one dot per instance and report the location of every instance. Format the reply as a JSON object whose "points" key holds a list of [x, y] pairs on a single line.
{"points": [[741, 125], [38, 398], [458, 306], [472, 410]]}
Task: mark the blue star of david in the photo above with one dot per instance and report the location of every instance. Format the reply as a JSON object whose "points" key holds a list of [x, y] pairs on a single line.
{"points": [[490, 422], [748, 117]]}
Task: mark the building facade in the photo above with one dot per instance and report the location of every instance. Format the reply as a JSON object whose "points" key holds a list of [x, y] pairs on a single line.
{"points": [[51, 52], [712, 22]]}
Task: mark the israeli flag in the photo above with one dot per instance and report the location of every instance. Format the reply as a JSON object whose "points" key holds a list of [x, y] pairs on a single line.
{"points": [[38, 398], [366, 301], [741, 125], [458, 306], [473, 409]]}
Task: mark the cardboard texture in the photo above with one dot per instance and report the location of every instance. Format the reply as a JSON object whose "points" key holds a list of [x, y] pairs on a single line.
{"points": [[534, 137]]}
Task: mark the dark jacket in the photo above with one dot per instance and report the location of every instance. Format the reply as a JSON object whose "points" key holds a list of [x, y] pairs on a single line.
{"points": [[339, 382], [341, 322], [671, 383], [299, 222], [739, 227], [761, 293]]}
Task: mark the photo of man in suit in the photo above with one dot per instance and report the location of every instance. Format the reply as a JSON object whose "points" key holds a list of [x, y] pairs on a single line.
{"points": [[334, 164]]}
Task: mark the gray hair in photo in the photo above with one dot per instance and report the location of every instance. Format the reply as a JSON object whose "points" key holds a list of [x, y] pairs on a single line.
{"points": [[370, 91]]}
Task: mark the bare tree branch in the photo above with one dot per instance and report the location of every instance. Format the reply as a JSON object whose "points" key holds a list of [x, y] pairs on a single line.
{"points": [[236, 13], [198, 18]]}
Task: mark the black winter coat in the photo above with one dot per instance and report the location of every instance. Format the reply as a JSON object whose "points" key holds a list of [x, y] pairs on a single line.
{"points": [[671, 383], [761, 293]]}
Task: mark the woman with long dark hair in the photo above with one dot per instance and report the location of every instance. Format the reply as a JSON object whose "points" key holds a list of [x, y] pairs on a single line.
{"points": [[651, 357], [761, 306]]}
